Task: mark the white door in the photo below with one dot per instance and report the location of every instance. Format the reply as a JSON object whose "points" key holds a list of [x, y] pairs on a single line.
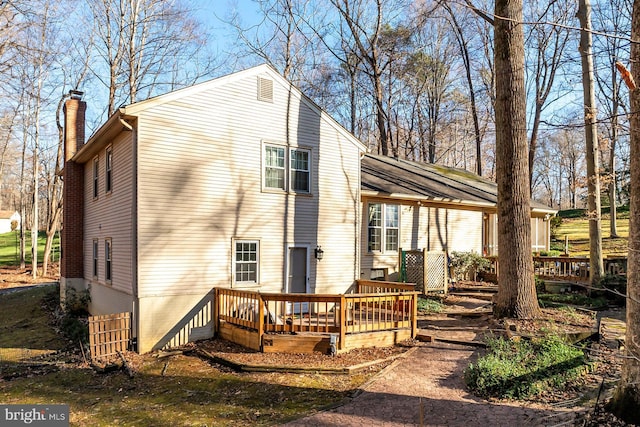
{"points": [[298, 277]]}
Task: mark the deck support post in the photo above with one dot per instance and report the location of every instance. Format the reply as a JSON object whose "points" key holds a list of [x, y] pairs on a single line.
{"points": [[216, 311], [414, 315], [343, 322], [260, 319]]}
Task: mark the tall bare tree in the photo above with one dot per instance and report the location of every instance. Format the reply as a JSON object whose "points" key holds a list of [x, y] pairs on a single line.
{"points": [[516, 289], [626, 400], [365, 36], [142, 43], [466, 58], [596, 267], [547, 47], [279, 37], [612, 17]]}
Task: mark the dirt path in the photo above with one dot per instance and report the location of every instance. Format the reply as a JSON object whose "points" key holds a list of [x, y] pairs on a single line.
{"points": [[426, 388]]}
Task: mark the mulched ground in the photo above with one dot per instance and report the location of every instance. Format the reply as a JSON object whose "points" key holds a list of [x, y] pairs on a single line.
{"points": [[242, 356], [12, 277]]}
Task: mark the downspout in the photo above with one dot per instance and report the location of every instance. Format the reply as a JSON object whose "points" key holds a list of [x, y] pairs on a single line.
{"points": [[134, 229]]}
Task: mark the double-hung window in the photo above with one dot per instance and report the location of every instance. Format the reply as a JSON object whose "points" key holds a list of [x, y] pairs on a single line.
{"points": [[246, 261], [95, 258], [383, 227], [96, 169], [107, 170], [287, 169], [274, 167], [107, 260], [299, 170]]}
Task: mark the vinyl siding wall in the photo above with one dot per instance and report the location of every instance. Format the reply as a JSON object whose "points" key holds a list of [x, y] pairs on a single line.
{"points": [[424, 227], [200, 187], [110, 216]]}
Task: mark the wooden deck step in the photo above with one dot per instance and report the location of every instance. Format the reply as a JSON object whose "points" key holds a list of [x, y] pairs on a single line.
{"points": [[469, 288], [477, 295], [612, 332]]}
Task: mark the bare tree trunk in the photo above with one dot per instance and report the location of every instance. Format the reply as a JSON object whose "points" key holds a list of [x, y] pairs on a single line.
{"points": [[613, 223], [23, 211], [596, 267], [34, 224], [626, 399], [516, 287]]}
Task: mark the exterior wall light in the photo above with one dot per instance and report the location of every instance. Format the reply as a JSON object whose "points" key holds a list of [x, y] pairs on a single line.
{"points": [[318, 252]]}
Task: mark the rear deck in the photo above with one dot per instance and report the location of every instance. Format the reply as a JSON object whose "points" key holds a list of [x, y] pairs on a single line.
{"points": [[376, 314]]}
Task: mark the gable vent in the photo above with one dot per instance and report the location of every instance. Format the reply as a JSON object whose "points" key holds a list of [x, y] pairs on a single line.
{"points": [[265, 89]]}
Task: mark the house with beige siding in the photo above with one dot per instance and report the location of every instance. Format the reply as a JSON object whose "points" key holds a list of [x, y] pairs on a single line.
{"points": [[408, 205], [235, 183], [242, 182]]}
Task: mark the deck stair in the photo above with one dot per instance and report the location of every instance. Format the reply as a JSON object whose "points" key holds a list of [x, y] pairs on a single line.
{"points": [[612, 332], [482, 292]]}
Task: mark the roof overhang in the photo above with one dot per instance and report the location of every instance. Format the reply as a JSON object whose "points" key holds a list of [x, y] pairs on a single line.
{"points": [[444, 202], [103, 136], [436, 201]]}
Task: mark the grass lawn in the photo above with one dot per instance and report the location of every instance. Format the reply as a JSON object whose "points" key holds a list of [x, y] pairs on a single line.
{"points": [[9, 250], [177, 391], [578, 231]]}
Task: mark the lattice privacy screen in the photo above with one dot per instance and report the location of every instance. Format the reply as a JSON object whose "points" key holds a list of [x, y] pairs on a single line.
{"points": [[414, 265], [421, 267], [436, 274]]}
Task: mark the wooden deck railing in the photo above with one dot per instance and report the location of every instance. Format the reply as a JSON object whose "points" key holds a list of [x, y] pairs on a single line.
{"points": [[392, 306], [570, 269], [377, 286]]}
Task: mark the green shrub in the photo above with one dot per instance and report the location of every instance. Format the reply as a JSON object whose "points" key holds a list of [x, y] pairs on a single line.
{"points": [[75, 328], [520, 369], [553, 300], [76, 302], [557, 245], [430, 305], [552, 252], [74, 322], [466, 265]]}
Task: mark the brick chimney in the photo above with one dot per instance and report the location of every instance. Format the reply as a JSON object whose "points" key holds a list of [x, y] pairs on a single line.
{"points": [[71, 263]]}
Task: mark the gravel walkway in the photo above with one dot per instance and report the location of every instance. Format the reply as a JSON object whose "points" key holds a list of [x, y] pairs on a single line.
{"points": [[426, 388]]}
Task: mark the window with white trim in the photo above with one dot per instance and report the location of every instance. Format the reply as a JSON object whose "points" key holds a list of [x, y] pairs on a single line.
{"points": [[287, 169], [107, 260], [300, 173], [383, 227], [274, 171], [107, 170], [246, 261], [96, 165], [95, 258]]}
